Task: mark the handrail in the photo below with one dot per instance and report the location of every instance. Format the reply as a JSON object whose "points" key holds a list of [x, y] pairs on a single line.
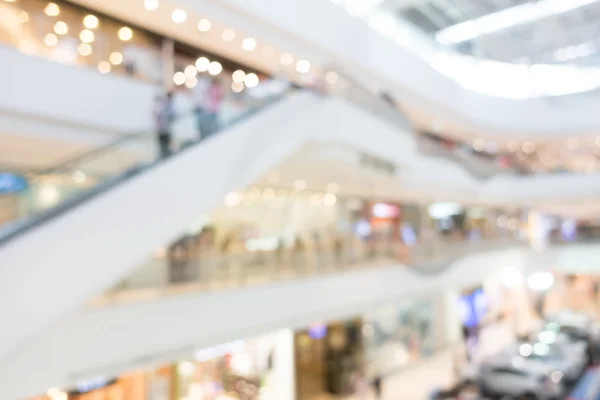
{"points": [[12, 230]]}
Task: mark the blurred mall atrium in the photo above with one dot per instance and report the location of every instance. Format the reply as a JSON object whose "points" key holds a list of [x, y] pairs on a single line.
{"points": [[299, 200]]}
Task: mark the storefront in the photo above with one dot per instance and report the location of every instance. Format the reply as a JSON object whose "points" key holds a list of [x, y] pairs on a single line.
{"points": [[398, 334], [328, 359], [258, 368]]}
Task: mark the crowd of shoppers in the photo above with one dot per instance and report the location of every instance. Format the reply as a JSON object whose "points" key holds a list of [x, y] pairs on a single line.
{"points": [[207, 95]]}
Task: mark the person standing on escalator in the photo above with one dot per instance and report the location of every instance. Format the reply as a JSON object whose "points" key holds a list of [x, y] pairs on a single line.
{"points": [[164, 115]]}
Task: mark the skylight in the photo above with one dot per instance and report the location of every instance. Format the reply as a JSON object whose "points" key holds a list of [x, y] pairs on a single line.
{"points": [[507, 18]]}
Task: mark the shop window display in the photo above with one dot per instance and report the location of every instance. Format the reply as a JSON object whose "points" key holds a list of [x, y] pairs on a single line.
{"points": [[396, 335], [328, 359]]}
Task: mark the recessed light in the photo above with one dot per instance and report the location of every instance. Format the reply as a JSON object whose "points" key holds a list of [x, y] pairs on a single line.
{"points": [[61, 28], [202, 64], [249, 44], [204, 25], [125, 33], [52, 10], [238, 76], [179, 78], [251, 80], [179, 16], [303, 66], [151, 4], [104, 67], [215, 68], [90, 21]]}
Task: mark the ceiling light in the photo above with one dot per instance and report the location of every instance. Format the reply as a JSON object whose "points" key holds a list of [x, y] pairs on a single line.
{"points": [[506, 18], [115, 58], [125, 34], [303, 66], [190, 71], [90, 21], [286, 59], [237, 87], [9, 1], [332, 77], [84, 49], [238, 76], [330, 199], [191, 81], [104, 67], [50, 40], [268, 52], [215, 68], [251, 80], [202, 64], [179, 78], [52, 10], [228, 35], [61, 28], [87, 36], [249, 44], [179, 16], [204, 25], [151, 4]]}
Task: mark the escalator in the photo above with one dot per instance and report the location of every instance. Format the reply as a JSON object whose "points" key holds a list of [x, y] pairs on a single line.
{"points": [[53, 259]]}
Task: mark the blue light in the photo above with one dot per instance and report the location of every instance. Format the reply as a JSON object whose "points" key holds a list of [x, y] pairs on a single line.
{"points": [[12, 183]]}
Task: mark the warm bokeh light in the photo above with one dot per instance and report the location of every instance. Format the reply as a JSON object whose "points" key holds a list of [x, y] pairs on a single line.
{"points": [[87, 36], [61, 28], [249, 44], [215, 68], [84, 49], [204, 25], [151, 4], [104, 67], [179, 16], [303, 66], [190, 71], [115, 58], [228, 35], [237, 87], [202, 64], [251, 80], [125, 34], [50, 40], [191, 81], [52, 10], [90, 21], [179, 78], [238, 76]]}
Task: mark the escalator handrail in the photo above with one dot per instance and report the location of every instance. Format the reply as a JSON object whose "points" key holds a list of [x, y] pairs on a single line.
{"points": [[14, 229]]}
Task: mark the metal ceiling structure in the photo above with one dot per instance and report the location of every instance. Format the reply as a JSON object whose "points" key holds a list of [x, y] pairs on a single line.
{"points": [[515, 31]]}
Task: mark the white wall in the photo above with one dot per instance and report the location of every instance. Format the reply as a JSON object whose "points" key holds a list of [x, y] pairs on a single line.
{"points": [[362, 51], [41, 97]]}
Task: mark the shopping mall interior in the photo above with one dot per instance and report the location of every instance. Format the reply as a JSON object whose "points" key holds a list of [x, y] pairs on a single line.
{"points": [[299, 200]]}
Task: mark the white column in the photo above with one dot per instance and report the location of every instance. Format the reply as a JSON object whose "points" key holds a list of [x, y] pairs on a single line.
{"points": [[282, 383]]}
